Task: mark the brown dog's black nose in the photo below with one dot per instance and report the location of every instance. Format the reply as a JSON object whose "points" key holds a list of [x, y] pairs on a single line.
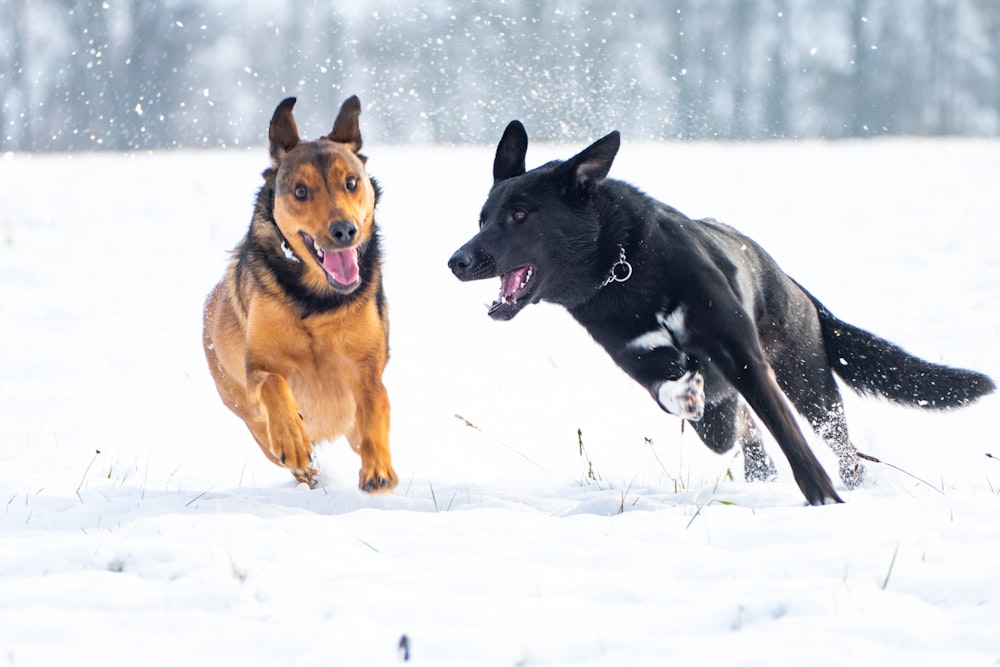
{"points": [[343, 232]]}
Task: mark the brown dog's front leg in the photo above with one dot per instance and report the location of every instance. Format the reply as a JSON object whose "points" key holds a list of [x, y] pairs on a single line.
{"points": [[372, 440], [284, 432]]}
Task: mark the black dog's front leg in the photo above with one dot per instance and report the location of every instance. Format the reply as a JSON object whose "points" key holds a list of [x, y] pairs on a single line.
{"points": [[736, 352], [670, 376]]}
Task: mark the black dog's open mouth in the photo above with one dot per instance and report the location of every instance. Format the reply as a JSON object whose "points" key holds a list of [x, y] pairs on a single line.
{"points": [[341, 266], [515, 290]]}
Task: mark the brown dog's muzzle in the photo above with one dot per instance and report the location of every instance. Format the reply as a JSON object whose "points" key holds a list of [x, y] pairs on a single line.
{"points": [[343, 233]]}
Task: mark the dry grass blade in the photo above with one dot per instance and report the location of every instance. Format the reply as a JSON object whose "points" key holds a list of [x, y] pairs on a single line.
{"points": [[499, 442], [84, 478], [873, 459]]}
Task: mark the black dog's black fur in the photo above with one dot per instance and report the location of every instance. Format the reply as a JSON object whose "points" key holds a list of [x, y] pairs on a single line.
{"points": [[692, 310]]}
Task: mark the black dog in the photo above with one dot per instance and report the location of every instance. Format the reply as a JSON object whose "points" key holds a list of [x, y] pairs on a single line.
{"points": [[692, 310]]}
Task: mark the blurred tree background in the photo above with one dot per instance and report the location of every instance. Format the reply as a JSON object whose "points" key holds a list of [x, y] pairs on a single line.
{"points": [[133, 74]]}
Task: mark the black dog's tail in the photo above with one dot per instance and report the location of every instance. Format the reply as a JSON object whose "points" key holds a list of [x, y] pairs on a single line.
{"points": [[872, 365]]}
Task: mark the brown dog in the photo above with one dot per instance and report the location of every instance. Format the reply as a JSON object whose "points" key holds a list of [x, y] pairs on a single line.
{"points": [[296, 334]]}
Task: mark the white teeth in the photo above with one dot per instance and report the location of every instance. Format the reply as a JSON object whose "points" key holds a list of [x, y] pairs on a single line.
{"points": [[505, 299], [319, 251]]}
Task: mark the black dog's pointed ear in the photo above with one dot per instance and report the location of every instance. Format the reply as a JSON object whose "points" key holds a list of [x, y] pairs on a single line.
{"points": [[283, 134], [511, 150], [590, 166], [346, 129]]}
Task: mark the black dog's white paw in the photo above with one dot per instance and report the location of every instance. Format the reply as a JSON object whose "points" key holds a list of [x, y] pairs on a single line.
{"points": [[684, 397]]}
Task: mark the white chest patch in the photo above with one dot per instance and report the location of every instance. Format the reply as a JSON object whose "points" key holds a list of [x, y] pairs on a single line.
{"points": [[674, 322], [669, 334], [652, 340]]}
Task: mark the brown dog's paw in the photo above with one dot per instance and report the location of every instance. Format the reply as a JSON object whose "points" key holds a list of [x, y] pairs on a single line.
{"points": [[377, 480], [308, 476], [292, 448]]}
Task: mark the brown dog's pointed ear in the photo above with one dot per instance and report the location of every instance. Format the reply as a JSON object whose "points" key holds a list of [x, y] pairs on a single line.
{"points": [[283, 133], [511, 150], [346, 129]]}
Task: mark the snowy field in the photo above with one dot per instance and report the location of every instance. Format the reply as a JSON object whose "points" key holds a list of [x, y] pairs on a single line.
{"points": [[142, 526]]}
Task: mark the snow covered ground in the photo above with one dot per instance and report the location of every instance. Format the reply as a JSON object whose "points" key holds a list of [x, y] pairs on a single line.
{"points": [[141, 524]]}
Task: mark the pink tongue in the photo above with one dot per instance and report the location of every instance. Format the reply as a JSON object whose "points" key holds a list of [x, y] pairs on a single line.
{"points": [[342, 265], [512, 281]]}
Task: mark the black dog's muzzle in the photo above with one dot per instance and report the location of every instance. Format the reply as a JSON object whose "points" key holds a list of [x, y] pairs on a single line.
{"points": [[472, 264]]}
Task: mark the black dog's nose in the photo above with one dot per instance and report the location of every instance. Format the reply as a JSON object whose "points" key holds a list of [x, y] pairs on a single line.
{"points": [[470, 262], [460, 262], [343, 232]]}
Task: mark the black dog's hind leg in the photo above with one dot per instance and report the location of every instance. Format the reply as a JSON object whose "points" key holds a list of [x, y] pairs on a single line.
{"points": [[813, 390], [757, 465], [828, 421], [728, 422]]}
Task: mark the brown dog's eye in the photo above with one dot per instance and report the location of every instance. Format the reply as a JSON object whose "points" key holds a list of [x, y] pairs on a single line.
{"points": [[351, 184], [301, 192], [518, 215]]}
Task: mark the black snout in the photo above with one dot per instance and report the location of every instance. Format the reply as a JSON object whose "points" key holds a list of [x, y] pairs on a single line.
{"points": [[460, 262], [471, 264], [343, 232]]}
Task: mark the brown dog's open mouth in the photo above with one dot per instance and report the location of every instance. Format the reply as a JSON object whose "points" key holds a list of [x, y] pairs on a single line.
{"points": [[341, 266], [515, 288]]}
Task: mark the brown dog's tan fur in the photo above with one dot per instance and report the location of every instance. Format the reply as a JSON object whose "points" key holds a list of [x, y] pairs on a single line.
{"points": [[297, 349]]}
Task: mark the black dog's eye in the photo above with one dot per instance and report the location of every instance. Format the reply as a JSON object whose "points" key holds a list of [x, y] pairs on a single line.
{"points": [[351, 184], [301, 192], [517, 215]]}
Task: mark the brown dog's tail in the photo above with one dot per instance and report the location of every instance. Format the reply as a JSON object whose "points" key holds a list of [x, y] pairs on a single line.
{"points": [[872, 365]]}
